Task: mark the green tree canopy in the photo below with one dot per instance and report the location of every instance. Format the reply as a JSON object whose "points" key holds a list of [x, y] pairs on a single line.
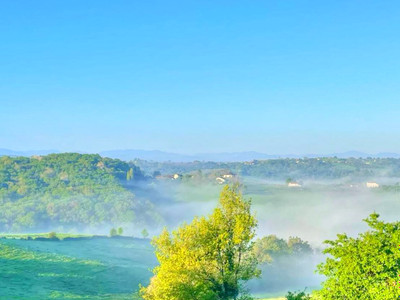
{"points": [[366, 267], [113, 232], [208, 258], [120, 231], [297, 296], [145, 233], [69, 190], [269, 246], [298, 247]]}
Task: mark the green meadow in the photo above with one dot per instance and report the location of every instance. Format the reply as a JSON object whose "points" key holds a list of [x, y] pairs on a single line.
{"points": [[75, 267], [84, 268]]}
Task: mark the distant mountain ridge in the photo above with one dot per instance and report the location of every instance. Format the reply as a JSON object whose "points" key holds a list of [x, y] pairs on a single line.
{"points": [[9, 152], [162, 156]]}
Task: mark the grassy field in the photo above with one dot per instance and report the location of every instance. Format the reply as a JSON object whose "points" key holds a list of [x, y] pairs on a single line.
{"points": [[26, 236], [77, 268], [97, 268], [89, 267]]}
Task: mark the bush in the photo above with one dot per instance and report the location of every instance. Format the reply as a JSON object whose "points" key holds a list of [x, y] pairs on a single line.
{"points": [[145, 234], [52, 235], [113, 232], [120, 231], [363, 267], [298, 296]]}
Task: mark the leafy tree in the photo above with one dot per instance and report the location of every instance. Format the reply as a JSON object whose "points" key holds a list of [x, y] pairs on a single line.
{"points": [[268, 247], [365, 267], [52, 235], [209, 258], [298, 246], [145, 234], [120, 231], [129, 174], [113, 232], [298, 296]]}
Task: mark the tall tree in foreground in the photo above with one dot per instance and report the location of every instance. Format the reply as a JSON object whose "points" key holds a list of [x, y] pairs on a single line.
{"points": [[366, 267], [209, 258]]}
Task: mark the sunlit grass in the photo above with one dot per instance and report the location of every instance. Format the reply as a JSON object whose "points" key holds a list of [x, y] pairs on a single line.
{"points": [[15, 253], [98, 268], [62, 275], [25, 236], [66, 295]]}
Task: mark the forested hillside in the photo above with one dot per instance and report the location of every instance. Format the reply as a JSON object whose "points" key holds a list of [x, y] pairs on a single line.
{"points": [[68, 190], [324, 168]]}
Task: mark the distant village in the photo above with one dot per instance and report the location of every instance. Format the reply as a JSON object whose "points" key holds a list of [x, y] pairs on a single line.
{"points": [[216, 176], [368, 184], [226, 176]]}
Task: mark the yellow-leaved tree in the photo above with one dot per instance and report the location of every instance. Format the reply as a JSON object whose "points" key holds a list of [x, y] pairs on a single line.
{"points": [[210, 258]]}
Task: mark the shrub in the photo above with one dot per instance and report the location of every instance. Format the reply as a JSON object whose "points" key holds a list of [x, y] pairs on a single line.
{"points": [[113, 232], [52, 235], [120, 231], [298, 296]]}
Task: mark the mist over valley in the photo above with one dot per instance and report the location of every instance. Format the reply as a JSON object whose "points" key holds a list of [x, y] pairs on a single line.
{"points": [[311, 198]]}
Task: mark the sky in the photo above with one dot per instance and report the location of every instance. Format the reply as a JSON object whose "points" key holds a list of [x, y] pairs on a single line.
{"points": [[276, 77]]}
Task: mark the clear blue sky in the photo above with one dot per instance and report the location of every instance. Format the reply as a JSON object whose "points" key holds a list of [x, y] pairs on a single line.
{"points": [[200, 76]]}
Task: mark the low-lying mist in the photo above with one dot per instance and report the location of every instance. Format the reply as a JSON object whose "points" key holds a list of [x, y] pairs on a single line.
{"points": [[320, 215], [288, 273], [317, 211], [314, 212]]}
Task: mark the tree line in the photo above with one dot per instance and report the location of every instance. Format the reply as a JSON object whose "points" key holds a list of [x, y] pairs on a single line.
{"points": [[281, 169]]}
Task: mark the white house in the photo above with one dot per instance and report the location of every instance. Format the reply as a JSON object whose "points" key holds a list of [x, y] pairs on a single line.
{"points": [[176, 176], [220, 180], [227, 175], [372, 185], [294, 184]]}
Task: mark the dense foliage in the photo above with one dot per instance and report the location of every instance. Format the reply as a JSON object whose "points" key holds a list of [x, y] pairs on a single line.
{"points": [[285, 265], [209, 258], [298, 296], [270, 247], [67, 190], [297, 169], [366, 267]]}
